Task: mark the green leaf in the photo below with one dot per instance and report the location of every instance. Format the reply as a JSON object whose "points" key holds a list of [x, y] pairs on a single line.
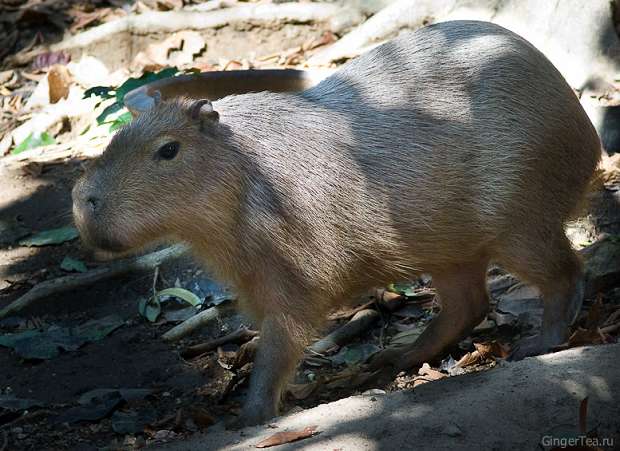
{"points": [[121, 120], [149, 308], [407, 337], [32, 141], [99, 91], [10, 340], [97, 329], [110, 109], [14, 404], [37, 344], [53, 236], [71, 265], [406, 289], [180, 293], [354, 354]]}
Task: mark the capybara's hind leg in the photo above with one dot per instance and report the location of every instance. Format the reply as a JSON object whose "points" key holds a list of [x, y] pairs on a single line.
{"points": [[464, 303], [548, 262]]}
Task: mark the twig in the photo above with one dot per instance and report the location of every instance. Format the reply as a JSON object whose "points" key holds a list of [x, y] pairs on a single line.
{"points": [[29, 416], [361, 321], [610, 329], [351, 312], [191, 324], [247, 352], [74, 281], [239, 336]]}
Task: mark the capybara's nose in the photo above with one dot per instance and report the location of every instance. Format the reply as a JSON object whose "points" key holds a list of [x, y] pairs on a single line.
{"points": [[86, 202], [93, 203]]}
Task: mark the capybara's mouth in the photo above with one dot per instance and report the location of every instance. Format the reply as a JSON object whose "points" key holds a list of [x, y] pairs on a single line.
{"points": [[94, 239]]}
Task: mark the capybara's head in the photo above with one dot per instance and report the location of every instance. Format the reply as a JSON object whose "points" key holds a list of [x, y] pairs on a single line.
{"points": [[160, 176]]}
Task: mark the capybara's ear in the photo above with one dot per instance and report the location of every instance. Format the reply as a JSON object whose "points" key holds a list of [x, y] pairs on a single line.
{"points": [[156, 98], [202, 110], [140, 101]]}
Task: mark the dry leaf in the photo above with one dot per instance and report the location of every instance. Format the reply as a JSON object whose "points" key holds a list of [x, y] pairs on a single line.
{"points": [[48, 59], [178, 50], [301, 391], [583, 337], [326, 38], [280, 438], [83, 19], [420, 381], [33, 169], [594, 314], [430, 374], [471, 358], [59, 81]]}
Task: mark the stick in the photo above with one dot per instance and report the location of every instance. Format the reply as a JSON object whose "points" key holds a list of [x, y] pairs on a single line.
{"points": [[361, 321], [239, 336], [74, 281], [191, 324], [351, 312]]}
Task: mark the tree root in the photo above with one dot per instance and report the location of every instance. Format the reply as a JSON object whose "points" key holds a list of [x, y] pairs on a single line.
{"points": [[173, 21], [74, 281]]}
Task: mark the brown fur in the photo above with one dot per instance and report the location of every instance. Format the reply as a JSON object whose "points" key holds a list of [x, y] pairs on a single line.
{"points": [[437, 152]]}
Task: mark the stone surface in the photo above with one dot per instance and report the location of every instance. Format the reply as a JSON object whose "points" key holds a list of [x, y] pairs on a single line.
{"points": [[515, 406]]}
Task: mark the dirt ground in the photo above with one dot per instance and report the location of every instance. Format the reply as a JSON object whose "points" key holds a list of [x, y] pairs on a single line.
{"points": [[186, 395]]}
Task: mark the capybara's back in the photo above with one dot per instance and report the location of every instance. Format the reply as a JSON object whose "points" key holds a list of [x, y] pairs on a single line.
{"points": [[437, 152]]}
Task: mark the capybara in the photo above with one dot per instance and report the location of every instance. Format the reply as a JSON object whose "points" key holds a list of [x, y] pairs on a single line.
{"points": [[438, 152]]}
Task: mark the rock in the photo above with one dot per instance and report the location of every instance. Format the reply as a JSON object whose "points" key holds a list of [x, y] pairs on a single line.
{"points": [[602, 265], [511, 407], [522, 301], [487, 325]]}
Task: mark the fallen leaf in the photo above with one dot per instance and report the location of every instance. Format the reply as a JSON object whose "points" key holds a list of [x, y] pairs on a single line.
{"points": [[94, 411], [594, 313], [301, 391], [280, 438], [133, 422], [72, 265], [42, 345], [128, 394], [406, 338], [33, 169], [12, 403], [49, 59], [53, 236], [430, 373], [84, 19], [33, 140], [354, 354], [151, 308], [178, 49], [59, 81], [583, 337]]}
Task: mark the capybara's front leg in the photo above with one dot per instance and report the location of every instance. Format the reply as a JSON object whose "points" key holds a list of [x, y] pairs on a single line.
{"points": [[279, 351]]}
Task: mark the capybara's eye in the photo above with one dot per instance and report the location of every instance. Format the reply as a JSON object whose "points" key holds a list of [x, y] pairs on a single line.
{"points": [[168, 151]]}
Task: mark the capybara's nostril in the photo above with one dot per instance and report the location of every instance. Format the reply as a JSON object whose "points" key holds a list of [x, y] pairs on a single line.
{"points": [[93, 203]]}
